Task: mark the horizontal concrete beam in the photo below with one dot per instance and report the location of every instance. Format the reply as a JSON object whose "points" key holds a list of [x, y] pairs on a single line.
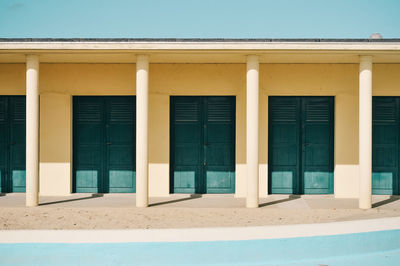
{"points": [[249, 46]]}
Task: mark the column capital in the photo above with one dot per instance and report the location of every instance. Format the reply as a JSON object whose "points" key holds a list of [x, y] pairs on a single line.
{"points": [[252, 57], [32, 57], [366, 58], [140, 57], [32, 61], [142, 62], [252, 62]]}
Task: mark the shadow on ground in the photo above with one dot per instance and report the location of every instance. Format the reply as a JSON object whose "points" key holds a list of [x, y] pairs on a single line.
{"points": [[70, 200], [290, 198], [192, 196], [386, 201]]}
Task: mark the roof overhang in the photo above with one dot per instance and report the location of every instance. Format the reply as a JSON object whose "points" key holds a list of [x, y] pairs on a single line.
{"points": [[200, 50]]}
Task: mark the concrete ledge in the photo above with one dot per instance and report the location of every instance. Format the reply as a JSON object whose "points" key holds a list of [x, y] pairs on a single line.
{"points": [[198, 234]]}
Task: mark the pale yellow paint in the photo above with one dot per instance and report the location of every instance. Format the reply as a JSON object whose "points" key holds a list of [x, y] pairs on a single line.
{"points": [[200, 57], [158, 145], [12, 79], [386, 79], [59, 82], [55, 144]]}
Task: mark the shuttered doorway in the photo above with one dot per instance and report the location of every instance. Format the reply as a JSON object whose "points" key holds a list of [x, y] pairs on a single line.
{"points": [[104, 144], [12, 143], [300, 145], [202, 144], [385, 145]]}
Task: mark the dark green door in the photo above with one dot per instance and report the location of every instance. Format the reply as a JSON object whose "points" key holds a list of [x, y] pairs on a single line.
{"points": [[301, 145], [202, 144], [104, 144], [385, 145], [12, 143]]}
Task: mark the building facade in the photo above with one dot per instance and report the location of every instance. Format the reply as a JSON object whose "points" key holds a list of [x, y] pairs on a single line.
{"points": [[244, 117]]}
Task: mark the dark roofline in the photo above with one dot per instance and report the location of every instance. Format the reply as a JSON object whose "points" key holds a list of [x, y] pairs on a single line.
{"points": [[259, 40]]}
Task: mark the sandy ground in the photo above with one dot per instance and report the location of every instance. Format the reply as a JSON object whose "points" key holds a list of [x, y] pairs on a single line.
{"points": [[116, 212], [129, 218]]}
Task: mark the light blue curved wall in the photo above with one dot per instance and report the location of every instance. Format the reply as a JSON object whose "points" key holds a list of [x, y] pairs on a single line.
{"points": [[372, 248]]}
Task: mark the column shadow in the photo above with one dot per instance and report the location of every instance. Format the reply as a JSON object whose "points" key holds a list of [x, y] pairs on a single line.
{"points": [[386, 201], [93, 196], [290, 198], [191, 197]]}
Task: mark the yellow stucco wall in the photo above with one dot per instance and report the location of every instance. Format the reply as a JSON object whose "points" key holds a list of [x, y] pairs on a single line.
{"points": [[59, 82]]}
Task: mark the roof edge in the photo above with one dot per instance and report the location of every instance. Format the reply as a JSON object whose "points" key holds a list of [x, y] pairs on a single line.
{"points": [[222, 40]]}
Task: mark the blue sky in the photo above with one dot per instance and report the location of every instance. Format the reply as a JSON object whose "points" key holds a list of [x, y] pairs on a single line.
{"points": [[199, 18]]}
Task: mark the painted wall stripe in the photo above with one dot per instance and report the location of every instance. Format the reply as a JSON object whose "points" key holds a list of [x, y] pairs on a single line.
{"points": [[198, 234]]}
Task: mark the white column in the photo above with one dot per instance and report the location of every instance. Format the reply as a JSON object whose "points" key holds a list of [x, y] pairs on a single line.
{"points": [[365, 132], [32, 130], [142, 102], [252, 131]]}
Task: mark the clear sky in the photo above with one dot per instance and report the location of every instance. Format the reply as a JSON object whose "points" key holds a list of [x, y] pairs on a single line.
{"points": [[199, 18]]}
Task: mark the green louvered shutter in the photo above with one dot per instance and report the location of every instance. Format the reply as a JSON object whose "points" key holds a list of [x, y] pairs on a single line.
{"points": [[385, 145], [4, 144], [317, 145], [186, 144], [284, 144], [12, 143], [219, 144], [17, 143], [120, 144], [88, 144]]}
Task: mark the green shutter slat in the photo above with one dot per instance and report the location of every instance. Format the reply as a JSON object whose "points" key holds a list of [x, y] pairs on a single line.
{"points": [[19, 109], [122, 111], [317, 110], [219, 110], [88, 110], [384, 110], [187, 111], [284, 109]]}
